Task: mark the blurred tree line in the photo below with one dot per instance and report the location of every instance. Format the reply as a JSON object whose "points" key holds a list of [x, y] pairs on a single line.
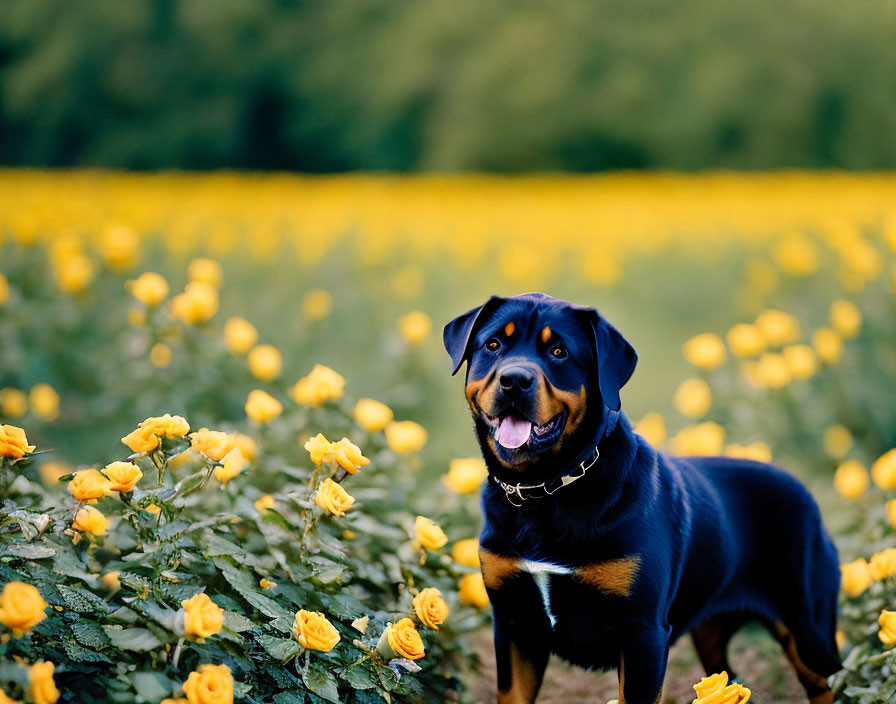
{"points": [[332, 85]]}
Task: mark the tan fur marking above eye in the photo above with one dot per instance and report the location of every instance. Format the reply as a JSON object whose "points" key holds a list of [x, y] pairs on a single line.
{"points": [[497, 569], [509, 328], [545, 334], [611, 576]]}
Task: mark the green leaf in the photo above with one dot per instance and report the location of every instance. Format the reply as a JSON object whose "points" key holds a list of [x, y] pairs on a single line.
{"points": [[79, 653], [283, 623], [321, 681], [29, 551], [152, 686], [66, 563], [289, 698], [139, 639], [244, 583], [237, 623], [345, 606], [172, 531], [82, 601], [90, 634], [388, 678], [358, 677], [282, 649]]}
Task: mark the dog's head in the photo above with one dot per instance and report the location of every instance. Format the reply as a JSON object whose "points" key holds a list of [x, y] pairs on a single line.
{"points": [[541, 374]]}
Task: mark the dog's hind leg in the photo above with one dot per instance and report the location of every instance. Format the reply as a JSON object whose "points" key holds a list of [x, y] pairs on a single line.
{"points": [[711, 638], [816, 685]]}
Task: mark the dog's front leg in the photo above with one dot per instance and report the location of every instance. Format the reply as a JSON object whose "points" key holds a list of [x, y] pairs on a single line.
{"points": [[521, 665], [642, 667]]}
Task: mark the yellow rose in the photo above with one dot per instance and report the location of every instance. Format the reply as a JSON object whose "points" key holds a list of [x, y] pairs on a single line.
{"points": [[314, 631], [146, 437], [891, 513], [149, 288], [74, 273], [141, 440], [796, 254], [702, 439], [828, 344], [245, 444], [320, 449], [207, 271], [317, 304], [713, 690], [176, 700], [415, 326], [705, 351], [6, 699], [123, 475], [652, 427], [40, 683], [202, 617], [428, 534], [265, 362], [851, 480], [771, 371], [855, 577], [265, 583], [430, 607], [404, 640], [264, 503], [234, 463], [465, 475], [197, 304], [745, 340], [13, 443], [90, 520], [44, 402], [887, 633], [21, 607], [348, 456], [406, 436], [883, 471], [757, 451], [472, 590], [13, 402], [89, 484], [372, 415], [120, 246], [837, 441], [160, 355], [320, 385], [883, 564], [331, 497], [778, 327], [4, 290], [262, 407], [693, 398], [213, 444], [466, 552], [239, 335], [137, 317], [711, 684], [210, 684], [112, 581], [801, 361], [846, 318], [52, 470]]}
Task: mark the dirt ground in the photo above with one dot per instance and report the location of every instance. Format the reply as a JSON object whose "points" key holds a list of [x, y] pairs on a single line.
{"points": [[759, 661]]}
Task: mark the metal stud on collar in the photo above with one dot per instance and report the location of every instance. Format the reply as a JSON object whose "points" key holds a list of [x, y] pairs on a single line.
{"points": [[516, 490]]}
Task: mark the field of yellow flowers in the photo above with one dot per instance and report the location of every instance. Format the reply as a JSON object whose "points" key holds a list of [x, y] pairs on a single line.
{"points": [[233, 464]]}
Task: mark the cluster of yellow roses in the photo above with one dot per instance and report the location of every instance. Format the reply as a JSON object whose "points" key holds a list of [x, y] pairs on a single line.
{"points": [[858, 575], [21, 609], [851, 479], [42, 399]]}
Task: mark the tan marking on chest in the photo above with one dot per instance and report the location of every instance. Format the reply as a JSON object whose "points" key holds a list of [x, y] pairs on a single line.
{"points": [[497, 569], [611, 576]]}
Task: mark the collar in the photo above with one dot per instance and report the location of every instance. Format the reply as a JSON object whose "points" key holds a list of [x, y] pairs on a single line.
{"points": [[517, 493]]}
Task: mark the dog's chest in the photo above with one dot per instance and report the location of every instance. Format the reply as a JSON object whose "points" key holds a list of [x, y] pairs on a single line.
{"points": [[543, 574]]}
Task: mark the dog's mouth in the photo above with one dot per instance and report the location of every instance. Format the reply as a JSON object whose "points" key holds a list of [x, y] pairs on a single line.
{"points": [[512, 431]]}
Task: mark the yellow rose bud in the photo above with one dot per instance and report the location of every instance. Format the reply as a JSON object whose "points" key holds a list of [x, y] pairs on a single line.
{"points": [[120, 247], [828, 344], [693, 398], [330, 496], [317, 304], [801, 361], [846, 318], [90, 520], [320, 449], [21, 607], [320, 385], [234, 463], [314, 631], [13, 443], [430, 607], [891, 513], [153, 509], [44, 402], [883, 471], [796, 254], [348, 456], [265, 362], [887, 633], [262, 407], [197, 304], [149, 288], [207, 271], [745, 340], [202, 617], [213, 444], [123, 475], [705, 351], [264, 503], [465, 475], [415, 327], [652, 427], [265, 583], [428, 534], [771, 371], [406, 436], [210, 684], [778, 327], [372, 415], [711, 684], [757, 451], [348, 535], [851, 480], [702, 439], [13, 402], [239, 335], [160, 355], [472, 591], [837, 441], [41, 686], [404, 640], [110, 579], [466, 552], [89, 484], [883, 564], [855, 577]]}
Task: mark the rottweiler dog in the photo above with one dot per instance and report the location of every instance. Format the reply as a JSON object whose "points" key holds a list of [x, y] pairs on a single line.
{"points": [[602, 550]]}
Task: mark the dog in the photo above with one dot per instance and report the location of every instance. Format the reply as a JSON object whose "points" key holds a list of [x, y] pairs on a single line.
{"points": [[602, 550]]}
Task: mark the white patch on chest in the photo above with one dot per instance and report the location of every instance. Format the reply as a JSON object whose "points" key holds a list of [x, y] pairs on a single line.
{"points": [[541, 572]]}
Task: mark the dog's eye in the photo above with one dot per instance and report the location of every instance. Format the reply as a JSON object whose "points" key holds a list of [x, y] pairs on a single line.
{"points": [[558, 352], [493, 344]]}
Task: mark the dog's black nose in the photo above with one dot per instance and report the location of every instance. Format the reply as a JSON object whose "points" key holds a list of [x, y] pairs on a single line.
{"points": [[516, 378]]}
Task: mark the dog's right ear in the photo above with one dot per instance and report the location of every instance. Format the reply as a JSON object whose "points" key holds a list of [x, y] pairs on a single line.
{"points": [[459, 332]]}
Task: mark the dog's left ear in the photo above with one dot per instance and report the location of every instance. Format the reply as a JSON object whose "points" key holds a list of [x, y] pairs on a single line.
{"points": [[458, 333], [616, 358]]}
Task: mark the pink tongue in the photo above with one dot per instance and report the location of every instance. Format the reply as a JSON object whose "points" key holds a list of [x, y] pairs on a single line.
{"points": [[513, 432]]}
